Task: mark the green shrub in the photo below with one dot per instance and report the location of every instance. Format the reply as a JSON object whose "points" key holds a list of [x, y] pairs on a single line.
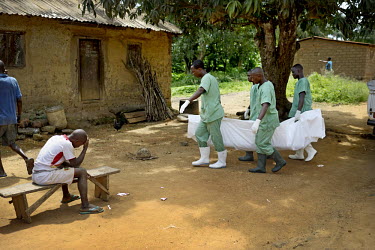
{"points": [[184, 90], [333, 89], [182, 79]]}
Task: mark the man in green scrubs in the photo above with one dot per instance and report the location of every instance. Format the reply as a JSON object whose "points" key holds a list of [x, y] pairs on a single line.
{"points": [[251, 114], [266, 123], [302, 101], [211, 115]]}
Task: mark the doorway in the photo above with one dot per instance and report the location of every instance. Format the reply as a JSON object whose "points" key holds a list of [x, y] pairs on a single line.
{"points": [[90, 69]]}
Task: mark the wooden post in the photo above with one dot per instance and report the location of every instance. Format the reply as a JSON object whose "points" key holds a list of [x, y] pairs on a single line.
{"points": [[99, 193], [20, 205]]}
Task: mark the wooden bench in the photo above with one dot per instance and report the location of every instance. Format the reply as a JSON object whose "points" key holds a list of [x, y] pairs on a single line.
{"points": [[99, 176]]}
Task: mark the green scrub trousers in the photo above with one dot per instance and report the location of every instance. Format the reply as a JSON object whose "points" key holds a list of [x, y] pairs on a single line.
{"points": [[269, 123], [263, 140], [207, 129]]}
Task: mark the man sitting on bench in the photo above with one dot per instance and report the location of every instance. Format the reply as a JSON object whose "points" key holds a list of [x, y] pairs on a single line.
{"points": [[56, 163]]}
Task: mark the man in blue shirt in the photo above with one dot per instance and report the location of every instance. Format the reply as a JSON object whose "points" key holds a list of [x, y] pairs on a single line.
{"points": [[10, 99], [328, 66]]}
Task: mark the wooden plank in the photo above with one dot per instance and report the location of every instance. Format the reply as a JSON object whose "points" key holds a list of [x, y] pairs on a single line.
{"points": [[22, 189], [39, 202], [99, 192], [102, 171], [26, 188], [137, 119], [135, 114], [20, 206]]}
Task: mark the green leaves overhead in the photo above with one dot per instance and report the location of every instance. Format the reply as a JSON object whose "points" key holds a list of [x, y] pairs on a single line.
{"points": [[354, 18]]}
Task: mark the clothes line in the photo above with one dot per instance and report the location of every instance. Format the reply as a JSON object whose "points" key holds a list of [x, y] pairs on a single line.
{"points": [[289, 135]]}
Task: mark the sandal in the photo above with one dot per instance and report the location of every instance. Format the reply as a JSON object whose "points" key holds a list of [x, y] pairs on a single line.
{"points": [[93, 210], [72, 198]]}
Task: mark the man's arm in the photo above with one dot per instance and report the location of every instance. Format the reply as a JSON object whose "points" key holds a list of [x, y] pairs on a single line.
{"points": [[65, 164], [262, 113], [197, 94], [76, 162], [263, 110], [301, 100]]}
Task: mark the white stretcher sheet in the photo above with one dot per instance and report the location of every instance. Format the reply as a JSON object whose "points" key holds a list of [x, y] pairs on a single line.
{"points": [[289, 135]]}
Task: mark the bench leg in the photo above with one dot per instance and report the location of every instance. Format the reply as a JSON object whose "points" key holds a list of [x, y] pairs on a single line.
{"points": [[99, 193], [20, 205]]}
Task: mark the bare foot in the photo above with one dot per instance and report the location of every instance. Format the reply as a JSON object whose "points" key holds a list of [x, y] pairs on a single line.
{"points": [[30, 165]]}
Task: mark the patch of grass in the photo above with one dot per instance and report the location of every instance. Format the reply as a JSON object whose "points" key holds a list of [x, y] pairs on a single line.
{"points": [[182, 79], [225, 88], [333, 89], [233, 81]]}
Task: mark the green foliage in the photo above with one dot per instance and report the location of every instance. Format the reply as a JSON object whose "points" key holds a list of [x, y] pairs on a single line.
{"points": [[333, 89], [220, 50], [182, 79], [187, 90]]}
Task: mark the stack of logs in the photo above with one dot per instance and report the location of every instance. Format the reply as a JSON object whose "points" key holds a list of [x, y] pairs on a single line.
{"points": [[156, 107]]}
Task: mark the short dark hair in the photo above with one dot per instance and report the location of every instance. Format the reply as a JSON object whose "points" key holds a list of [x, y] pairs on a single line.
{"points": [[198, 64], [298, 66], [329, 58]]}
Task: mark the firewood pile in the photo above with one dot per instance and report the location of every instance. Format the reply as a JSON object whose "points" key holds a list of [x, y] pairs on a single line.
{"points": [[156, 107]]}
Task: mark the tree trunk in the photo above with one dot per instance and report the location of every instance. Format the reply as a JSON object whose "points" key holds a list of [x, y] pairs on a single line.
{"points": [[187, 64], [277, 56]]}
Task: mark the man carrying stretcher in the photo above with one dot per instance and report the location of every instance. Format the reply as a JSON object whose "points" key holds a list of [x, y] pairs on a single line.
{"points": [[266, 123]]}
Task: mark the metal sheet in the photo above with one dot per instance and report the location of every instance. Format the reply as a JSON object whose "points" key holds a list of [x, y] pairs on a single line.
{"points": [[68, 10]]}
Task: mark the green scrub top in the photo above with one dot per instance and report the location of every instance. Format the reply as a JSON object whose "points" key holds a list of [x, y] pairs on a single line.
{"points": [[253, 100], [266, 93], [211, 108], [302, 85]]}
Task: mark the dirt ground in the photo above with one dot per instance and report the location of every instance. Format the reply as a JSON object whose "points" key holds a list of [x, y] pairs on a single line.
{"points": [[302, 206]]}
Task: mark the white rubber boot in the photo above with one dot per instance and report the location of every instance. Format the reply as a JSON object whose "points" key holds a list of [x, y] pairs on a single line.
{"points": [[311, 152], [205, 157], [298, 155], [222, 160]]}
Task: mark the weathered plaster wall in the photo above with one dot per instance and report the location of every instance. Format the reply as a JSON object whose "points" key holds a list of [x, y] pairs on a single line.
{"points": [[51, 74], [348, 59], [370, 64]]}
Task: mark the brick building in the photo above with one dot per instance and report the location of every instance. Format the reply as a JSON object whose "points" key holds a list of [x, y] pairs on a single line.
{"points": [[352, 59], [60, 57]]}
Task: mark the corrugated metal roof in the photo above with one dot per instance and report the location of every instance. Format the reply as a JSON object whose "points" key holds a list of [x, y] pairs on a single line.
{"points": [[68, 10], [333, 40]]}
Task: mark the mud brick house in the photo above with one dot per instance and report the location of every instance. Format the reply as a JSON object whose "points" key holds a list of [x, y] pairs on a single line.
{"points": [[352, 59], [60, 57]]}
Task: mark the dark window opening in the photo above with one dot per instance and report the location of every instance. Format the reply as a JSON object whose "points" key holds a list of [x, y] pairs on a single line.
{"points": [[134, 50], [12, 51]]}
